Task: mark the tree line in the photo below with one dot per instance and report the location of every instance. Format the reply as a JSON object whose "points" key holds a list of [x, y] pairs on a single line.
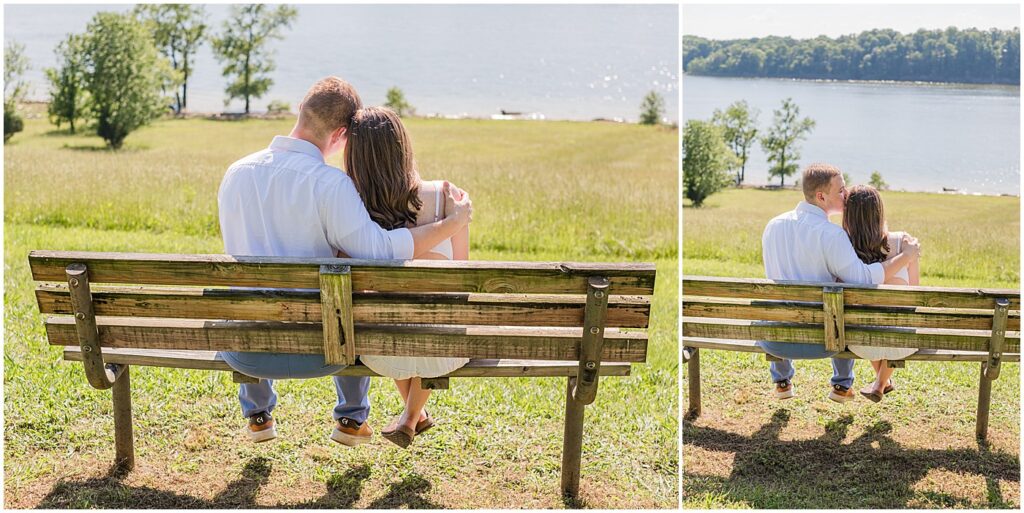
{"points": [[951, 55], [128, 69]]}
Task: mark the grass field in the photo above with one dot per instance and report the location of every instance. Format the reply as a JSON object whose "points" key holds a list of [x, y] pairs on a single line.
{"points": [[541, 191], [917, 448]]}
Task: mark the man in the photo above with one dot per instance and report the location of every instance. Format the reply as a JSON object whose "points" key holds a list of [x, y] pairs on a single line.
{"points": [[286, 201], [802, 245]]}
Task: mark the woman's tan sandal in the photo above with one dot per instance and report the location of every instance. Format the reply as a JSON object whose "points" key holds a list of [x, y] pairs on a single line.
{"points": [[401, 436], [425, 424]]}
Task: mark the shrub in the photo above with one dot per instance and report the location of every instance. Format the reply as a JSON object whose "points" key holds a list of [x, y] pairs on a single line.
{"points": [[707, 160]]}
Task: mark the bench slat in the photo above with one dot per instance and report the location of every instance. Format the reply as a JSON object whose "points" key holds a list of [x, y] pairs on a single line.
{"points": [[965, 340], [208, 360], [369, 308], [531, 343], [376, 275], [884, 295], [813, 313], [750, 346]]}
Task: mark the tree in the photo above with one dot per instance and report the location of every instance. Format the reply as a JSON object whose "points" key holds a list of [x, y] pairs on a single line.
{"points": [[15, 66], [68, 96], [877, 182], [706, 161], [242, 48], [178, 32], [652, 109], [396, 102], [780, 142], [739, 126], [124, 76]]}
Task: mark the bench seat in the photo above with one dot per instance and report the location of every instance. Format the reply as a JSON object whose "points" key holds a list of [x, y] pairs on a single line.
{"points": [[929, 355], [942, 323], [208, 360], [577, 321]]}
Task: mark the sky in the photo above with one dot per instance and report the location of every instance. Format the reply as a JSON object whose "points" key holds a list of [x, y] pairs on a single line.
{"points": [[809, 20]]}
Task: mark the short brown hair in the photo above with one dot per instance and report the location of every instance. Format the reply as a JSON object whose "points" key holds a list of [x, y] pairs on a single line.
{"points": [[816, 177], [379, 159], [328, 106]]}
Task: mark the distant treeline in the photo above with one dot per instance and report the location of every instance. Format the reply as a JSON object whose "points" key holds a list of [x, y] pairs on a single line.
{"points": [[950, 55]]}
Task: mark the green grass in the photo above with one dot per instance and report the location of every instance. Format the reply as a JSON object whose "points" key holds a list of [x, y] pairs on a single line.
{"points": [[916, 449], [541, 191]]}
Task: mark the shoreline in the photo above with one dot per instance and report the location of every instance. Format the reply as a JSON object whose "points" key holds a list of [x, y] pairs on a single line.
{"points": [[905, 83], [33, 105], [949, 192]]}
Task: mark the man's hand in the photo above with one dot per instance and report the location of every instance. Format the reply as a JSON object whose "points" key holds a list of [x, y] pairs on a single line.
{"points": [[457, 204]]}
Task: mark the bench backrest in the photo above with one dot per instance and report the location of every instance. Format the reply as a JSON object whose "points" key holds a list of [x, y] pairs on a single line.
{"points": [[837, 314], [474, 309]]}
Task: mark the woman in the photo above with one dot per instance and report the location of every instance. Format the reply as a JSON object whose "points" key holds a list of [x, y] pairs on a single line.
{"points": [[864, 222], [378, 157]]}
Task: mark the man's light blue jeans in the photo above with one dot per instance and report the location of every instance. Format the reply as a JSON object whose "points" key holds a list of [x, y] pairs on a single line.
{"points": [[353, 391], [842, 368]]}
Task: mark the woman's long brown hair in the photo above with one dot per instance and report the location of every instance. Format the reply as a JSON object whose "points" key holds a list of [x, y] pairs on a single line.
{"points": [[864, 222], [378, 157]]}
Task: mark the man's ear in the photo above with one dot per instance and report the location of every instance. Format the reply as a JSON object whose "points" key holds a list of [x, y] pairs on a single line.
{"points": [[339, 134]]}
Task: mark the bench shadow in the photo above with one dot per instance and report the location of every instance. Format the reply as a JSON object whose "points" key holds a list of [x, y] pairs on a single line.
{"points": [[109, 492], [871, 471]]}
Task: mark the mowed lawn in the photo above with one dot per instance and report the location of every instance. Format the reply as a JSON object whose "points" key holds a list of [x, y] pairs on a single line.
{"points": [[546, 191], [915, 449]]}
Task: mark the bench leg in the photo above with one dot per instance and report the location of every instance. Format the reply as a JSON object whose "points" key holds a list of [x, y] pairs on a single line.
{"points": [[572, 448], [693, 377], [123, 440], [984, 400]]}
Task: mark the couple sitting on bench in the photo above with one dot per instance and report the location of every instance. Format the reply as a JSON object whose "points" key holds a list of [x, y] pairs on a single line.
{"points": [[285, 201], [802, 245]]}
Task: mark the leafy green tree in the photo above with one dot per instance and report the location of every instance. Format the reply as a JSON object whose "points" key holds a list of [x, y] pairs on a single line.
{"points": [[68, 96], [707, 160], [739, 126], [780, 143], [15, 66], [178, 32], [396, 102], [652, 109], [877, 182], [242, 48], [124, 76]]}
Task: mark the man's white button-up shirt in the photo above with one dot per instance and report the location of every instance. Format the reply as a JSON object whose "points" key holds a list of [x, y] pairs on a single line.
{"points": [[286, 201], [802, 245]]}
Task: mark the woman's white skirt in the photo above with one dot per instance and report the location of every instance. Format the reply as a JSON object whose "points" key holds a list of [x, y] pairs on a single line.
{"points": [[405, 367], [881, 353]]}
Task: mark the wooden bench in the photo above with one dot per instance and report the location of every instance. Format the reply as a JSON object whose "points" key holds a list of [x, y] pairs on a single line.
{"points": [[113, 311], [945, 324]]}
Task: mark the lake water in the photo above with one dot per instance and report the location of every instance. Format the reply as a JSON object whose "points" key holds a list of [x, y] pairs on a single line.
{"points": [[574, 62], [919, 137]]}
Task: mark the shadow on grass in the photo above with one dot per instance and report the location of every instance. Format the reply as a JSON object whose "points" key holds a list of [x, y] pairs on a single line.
{"points": [[872, 471], [343, 490]]}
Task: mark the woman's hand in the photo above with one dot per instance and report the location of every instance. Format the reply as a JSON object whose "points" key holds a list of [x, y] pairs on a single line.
{"points": [[911, 246], [457, 203]]}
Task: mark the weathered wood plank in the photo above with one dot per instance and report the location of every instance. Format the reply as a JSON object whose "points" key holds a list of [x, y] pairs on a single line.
{"points": [[966, 340], [368, 307], [477, 368], [336, 300], [835, 334], [392, 340], [887, 295], [378, 275], [812, 313], [750, 346]]}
